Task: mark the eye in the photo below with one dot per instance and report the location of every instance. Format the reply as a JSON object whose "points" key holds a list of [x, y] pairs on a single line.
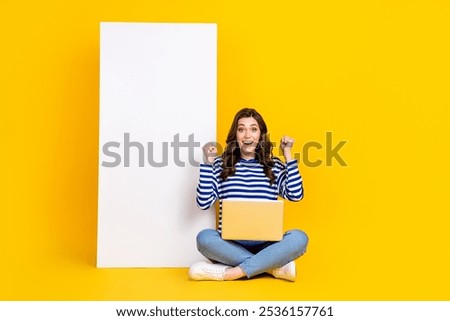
{"points": [[254, 129], [240, 130]]}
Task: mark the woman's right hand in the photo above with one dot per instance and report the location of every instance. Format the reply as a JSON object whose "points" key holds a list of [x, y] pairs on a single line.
{"points": [[210, 152]]}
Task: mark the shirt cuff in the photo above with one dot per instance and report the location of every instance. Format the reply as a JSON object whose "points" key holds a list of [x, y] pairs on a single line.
{"points": [[292, 163]]}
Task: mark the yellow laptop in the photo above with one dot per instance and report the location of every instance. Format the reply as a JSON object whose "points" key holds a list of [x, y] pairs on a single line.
{"points": [[257, 220]]}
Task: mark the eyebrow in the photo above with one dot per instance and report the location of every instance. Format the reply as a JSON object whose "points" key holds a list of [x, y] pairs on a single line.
{"points": [[252, 125]]}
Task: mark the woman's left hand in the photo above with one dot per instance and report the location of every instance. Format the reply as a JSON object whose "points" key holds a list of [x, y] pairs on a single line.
{"points": [[286, 147]]}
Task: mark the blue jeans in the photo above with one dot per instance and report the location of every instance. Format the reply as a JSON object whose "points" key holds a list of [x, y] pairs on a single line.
{"points": [[253, 257]]}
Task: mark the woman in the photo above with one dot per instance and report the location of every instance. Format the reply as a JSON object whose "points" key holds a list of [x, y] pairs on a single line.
{"points": [[247, 169]]}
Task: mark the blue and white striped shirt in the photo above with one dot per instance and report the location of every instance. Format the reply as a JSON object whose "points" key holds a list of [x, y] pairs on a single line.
{"points": [[249, 181]]}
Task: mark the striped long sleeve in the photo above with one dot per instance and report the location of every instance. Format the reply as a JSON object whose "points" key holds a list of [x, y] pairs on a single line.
{"points": [[290, 182], [207, 187]]}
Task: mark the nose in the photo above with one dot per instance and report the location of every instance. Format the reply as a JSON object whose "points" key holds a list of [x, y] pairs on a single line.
{"points": [[247, 134]]}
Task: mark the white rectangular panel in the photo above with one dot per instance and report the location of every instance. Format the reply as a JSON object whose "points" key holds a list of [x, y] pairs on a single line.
{"points": [[157, 108]]}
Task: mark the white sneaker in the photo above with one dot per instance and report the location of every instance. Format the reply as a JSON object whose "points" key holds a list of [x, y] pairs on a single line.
{"points": [[286, 272], [207, 271]]}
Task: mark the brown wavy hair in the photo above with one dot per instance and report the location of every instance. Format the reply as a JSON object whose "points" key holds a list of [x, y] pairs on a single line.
{"points": [[263, 152]]}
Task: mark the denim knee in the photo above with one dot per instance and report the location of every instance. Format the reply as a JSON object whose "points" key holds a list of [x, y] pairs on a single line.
{"points": [[298, 241], [205, 237]]}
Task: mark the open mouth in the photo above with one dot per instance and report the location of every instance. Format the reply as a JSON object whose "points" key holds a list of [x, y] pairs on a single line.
{"points": [[247, 142]]}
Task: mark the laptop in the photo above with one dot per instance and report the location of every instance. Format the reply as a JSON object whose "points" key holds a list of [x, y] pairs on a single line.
{"points": [[257, 220]]}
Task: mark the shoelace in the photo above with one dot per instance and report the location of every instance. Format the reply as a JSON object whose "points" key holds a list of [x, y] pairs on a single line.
{"points": [[210, 269]]}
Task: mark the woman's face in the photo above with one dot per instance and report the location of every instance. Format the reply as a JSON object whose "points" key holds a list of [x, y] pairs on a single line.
{"points": [[248, 135]]}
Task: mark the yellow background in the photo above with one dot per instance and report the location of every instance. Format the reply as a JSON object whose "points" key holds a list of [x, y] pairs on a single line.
{"points": [[374, 73]]}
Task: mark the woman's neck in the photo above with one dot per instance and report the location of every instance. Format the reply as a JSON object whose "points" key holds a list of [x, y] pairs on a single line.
{"points": [[248, 156]]}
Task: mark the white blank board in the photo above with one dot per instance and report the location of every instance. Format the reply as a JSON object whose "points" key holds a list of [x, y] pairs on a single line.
{"points": [[157, 88]]}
